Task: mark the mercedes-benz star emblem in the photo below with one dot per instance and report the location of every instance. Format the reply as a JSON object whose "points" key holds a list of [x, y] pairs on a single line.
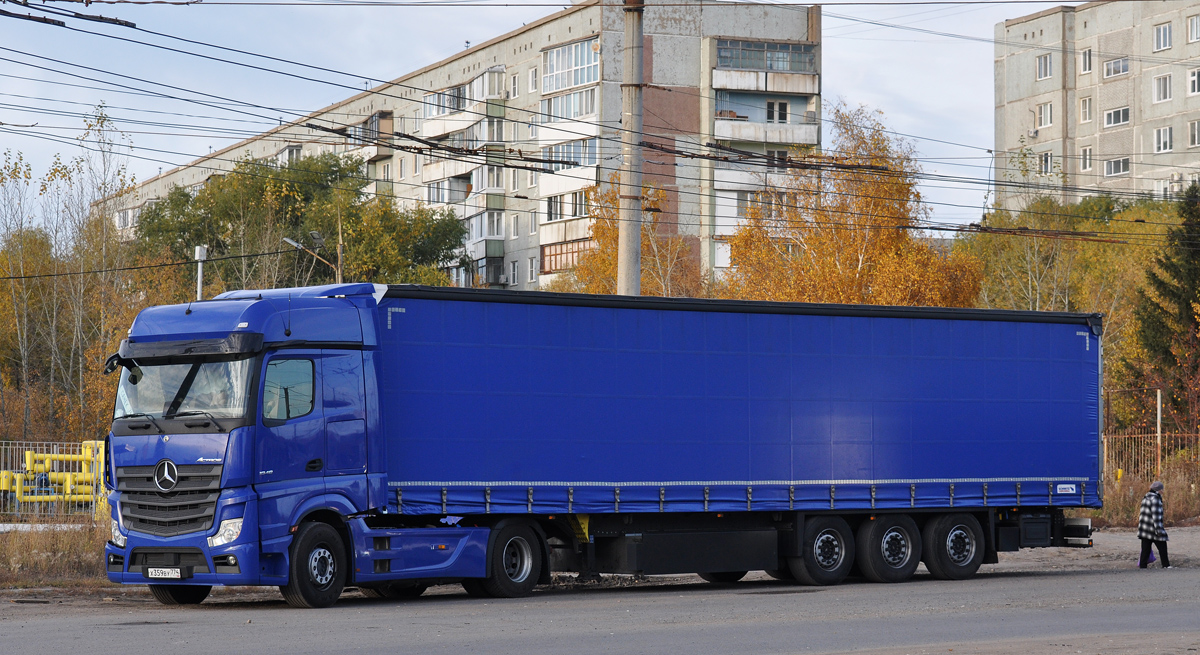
{"points": [[166, 475]]}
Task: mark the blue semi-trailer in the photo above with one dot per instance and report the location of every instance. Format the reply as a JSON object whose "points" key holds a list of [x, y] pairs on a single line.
{"points": [[391, 438]]}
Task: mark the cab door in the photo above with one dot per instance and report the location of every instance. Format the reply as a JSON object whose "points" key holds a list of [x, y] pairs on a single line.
{"points": [[345, 424], [291, 430]]}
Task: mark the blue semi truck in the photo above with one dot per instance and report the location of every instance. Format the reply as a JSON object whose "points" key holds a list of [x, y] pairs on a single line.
{"points": [[395, 437]]}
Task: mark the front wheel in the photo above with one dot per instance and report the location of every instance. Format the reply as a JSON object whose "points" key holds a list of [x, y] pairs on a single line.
{"points": [[179, 594], [317, 571], [889, 548], [953, 546], [828, 551], [516, 563]]}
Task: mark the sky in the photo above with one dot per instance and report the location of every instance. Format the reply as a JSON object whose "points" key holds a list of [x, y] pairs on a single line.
{"points": [[936, 89]]}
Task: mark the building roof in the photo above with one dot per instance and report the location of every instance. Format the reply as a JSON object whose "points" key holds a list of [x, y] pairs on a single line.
{"points": [[1054, 10]]}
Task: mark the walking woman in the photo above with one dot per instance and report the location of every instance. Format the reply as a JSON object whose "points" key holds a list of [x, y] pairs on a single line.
{"points": [[1150, 526]]}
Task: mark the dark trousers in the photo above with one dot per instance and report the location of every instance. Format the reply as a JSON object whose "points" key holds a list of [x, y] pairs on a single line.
{"points": [[1162, 553]]}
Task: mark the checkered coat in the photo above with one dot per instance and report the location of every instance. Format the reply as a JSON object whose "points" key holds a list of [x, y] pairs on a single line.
{"points": [[1150, 520]]}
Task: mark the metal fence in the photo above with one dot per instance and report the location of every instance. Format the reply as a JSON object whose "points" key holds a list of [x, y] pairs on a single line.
{"points": [[43, 479], [1145, 455]]}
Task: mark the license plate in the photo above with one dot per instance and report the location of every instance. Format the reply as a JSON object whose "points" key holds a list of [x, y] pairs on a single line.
{"points": [[172, 574]]}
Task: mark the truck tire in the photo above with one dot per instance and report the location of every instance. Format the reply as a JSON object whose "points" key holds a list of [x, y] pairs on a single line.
{"points": [[889, 548], [179, 594], [317, 571], [953, 546], [828, 551], [393, 591], [723, 577], [516, 563]]}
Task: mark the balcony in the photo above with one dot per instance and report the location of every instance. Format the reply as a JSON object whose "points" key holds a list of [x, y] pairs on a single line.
{"points": [[766, 81], [740, 129]]}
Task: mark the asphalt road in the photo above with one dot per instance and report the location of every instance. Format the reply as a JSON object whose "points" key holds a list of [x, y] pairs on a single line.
{"points": [[1048, 602]]}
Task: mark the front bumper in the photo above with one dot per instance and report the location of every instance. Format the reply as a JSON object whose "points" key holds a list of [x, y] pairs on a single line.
{"points": [[198, 563]]}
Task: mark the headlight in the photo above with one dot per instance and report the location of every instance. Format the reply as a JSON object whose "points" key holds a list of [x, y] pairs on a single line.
{"points": [[118, 539], [229, 531]]}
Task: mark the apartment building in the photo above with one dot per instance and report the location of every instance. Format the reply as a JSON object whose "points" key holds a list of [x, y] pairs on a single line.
{"points": [[539, 108], [1102, 97]]}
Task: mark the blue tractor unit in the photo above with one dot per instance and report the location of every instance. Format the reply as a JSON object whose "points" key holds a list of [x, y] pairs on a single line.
{"points": [[392, 438]]}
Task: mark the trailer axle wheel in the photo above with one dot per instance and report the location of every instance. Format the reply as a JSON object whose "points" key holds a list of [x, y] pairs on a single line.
{"points": [[889, 548], [953, 546], [828, 551]]}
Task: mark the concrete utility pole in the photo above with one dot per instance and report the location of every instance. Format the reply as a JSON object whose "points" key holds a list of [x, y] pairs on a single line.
{"points": [[629, 228], [201, 255]]}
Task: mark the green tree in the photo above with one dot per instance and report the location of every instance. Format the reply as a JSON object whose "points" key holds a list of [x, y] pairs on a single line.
{"points": [[1168, 328]]}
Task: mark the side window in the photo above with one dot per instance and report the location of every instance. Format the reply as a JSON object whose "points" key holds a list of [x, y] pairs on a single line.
{"points": [[287, 389]]}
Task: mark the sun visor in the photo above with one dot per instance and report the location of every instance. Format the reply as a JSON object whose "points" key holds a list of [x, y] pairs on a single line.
{"points": [[237, 343]]}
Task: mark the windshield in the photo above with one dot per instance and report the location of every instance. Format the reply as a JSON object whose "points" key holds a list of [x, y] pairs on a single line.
{"points": [[218, 388]]}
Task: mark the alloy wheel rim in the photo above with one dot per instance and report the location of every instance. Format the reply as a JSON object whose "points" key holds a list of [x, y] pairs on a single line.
{"points": [[518, 559], [827, 549], [895, 548], [960, 545], [321, 567]]}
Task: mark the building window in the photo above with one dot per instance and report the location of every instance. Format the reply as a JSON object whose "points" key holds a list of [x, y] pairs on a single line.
{"points": [[1085, 159], [533, 128], [516, 86], [1085, 110], [516, 226], [564, 255], [533, 80], [1116, 67], [571, 154], [1193, 28], [1162, 189], [1043, 67], [569, 106], [754, 55], [1162, 37], [513, 269], [516, 180], [554, 210], [574, 64], [1116, 117], [495, 177], [1193, 134], [1045, 163], [532, 270], [1045, 115], [777, 112], [1085, 61], [533, 222], [1164, 139], [1116, 167], [400, 167], [495, 224], [533, 179], [387, 171], [1162, 88], [1194, 81]]}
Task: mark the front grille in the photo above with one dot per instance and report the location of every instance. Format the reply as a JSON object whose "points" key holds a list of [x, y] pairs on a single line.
{"points": [[188, 508], [168, 557]]}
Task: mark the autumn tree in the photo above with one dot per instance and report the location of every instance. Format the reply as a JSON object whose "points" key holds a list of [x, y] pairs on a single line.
{"points": [[670, 266], [842, 228]]}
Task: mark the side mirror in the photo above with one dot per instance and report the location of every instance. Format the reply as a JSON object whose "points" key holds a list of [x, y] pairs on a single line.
{"points": [[111, 364]]}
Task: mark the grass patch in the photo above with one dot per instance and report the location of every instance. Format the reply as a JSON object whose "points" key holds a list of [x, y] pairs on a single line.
{"points": [[50, 556], [1123, 498]]}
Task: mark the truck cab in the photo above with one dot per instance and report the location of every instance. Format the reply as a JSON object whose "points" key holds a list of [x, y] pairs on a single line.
{"points": [[234, 420]]}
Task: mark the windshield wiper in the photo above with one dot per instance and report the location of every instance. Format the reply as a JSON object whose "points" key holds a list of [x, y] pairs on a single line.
{"points": [[142, 415], [197, 412]]}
